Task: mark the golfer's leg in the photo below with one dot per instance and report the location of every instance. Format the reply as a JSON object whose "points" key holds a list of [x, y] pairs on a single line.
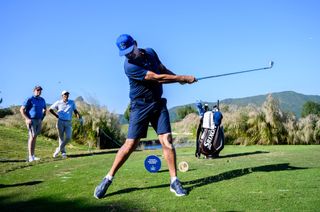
{"points": [[121, 157], [123, 154], [31, 139], [33, 144], [169, 153], [36, 131], [68, 133], [60, 128]]}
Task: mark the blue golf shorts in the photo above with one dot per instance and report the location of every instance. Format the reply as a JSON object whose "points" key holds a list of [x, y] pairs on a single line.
{"points": [[142, 113], [35, 127]]}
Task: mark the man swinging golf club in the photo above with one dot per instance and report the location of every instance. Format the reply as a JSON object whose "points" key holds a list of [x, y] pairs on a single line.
{"points": [[146, 75]]}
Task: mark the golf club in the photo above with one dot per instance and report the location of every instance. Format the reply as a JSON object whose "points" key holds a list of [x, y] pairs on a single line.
{"points": [[238, 72]]}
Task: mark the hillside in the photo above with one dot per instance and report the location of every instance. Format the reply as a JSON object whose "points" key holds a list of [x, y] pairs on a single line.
{"points": [[290, 101]]}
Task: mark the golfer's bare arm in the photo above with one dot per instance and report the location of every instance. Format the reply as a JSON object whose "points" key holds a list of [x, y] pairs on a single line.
{"points": [[53, 113], [24, 115], [22, 111], [76, 112], [164, 70], [44, 112], [167, 76]]}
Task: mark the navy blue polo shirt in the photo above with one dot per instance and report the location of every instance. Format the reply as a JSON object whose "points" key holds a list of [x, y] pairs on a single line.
{"points": [[136, 71], [152, 109]]}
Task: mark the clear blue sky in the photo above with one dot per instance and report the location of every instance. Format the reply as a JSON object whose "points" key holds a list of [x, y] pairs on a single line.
{"points": [[70, 44]]}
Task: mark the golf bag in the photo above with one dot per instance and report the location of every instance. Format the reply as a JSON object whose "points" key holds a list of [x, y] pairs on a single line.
{"points": [[210, 134]]}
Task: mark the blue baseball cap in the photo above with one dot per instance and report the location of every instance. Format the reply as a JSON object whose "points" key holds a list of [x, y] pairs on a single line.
{"points": [[125, 44], [37, 87]]}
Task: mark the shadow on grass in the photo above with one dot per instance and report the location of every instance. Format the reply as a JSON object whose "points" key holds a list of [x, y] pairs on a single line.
{"points": [[70, 156], [25, 164], [128, 190], [12, 160], [92, 153], [220, 177], [242, 154], [240, 172], [167, 170], [21, 184], [49, 204]]}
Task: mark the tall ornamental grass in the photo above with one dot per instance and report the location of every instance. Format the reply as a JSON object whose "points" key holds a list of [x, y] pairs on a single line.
{"points": [[95, 117], [268, 125]]}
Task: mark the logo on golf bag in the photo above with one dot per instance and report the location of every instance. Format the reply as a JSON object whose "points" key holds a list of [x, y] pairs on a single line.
{"points": [[208, 142]]}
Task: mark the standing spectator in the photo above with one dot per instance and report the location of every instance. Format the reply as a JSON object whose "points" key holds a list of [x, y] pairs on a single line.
{"points": [[33, 110], [64, 108]]}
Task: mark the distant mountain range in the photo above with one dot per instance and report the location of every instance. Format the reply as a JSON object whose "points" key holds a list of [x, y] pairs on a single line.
{"points": [[290, 101]]}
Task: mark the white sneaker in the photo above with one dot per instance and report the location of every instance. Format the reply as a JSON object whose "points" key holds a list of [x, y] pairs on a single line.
{"points": [[64, 155], [35, 158], [56, 153], [30, 159]]}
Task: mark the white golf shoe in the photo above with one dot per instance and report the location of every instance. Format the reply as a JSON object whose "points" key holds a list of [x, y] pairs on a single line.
{"points": [[56, 153]]}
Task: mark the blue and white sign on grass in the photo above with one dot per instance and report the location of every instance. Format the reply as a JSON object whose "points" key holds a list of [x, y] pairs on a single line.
{"points": [[152, 163]]}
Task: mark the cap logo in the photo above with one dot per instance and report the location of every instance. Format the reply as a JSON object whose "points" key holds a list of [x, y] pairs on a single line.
{"points": [[123, 45]]}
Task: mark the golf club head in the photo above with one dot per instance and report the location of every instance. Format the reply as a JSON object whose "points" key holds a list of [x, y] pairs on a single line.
{"points": [[271, 64]]}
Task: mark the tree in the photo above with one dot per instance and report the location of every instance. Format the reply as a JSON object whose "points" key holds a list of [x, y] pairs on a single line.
{"points": [[127, 113], [184, 111], [310, 108], [6, 111]]}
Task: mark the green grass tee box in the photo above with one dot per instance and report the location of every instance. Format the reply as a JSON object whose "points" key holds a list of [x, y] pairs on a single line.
{"points": [[244, 178]]}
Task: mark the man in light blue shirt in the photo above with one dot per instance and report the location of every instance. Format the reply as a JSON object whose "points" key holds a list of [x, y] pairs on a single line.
{"points": [[33, 110], [64, 109]]}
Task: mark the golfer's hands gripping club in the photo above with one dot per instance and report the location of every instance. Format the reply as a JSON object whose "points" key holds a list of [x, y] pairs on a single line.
{"points": [[187, 79]]}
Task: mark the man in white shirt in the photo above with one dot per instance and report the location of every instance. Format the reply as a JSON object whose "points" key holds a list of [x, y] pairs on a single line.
{"points": [[64, 108]]}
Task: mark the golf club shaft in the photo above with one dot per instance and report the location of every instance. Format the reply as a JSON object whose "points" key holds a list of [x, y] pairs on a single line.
{"points": [[238, 72]]}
